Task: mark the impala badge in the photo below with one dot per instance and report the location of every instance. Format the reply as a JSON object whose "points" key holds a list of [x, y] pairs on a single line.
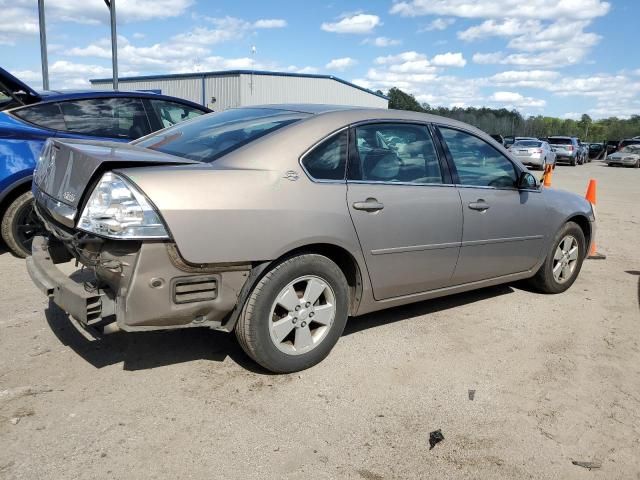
{"points": [[291, 175]]}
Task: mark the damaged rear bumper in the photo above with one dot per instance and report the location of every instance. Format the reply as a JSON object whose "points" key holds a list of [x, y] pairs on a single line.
{"points": [[144, 286]]}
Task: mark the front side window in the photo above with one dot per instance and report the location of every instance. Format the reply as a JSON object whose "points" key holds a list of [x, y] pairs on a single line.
{"points": [[106, 117], [47, 115], [398, 152], [170, 113], [328, 160], [209, 137], [477, 162]]}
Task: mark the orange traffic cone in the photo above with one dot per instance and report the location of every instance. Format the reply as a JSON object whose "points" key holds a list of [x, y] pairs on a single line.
{"points": [[546, 176], [591, 197]]}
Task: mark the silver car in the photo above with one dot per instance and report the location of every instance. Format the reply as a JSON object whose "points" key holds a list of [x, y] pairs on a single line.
{"points": [[280, 222], [628, 156], [534, 153]]}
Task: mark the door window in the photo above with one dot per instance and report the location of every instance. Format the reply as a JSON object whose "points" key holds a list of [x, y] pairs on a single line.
{"points": [[106, 117], [170, 113], [402, 153], [477, 162], [329, 159]]}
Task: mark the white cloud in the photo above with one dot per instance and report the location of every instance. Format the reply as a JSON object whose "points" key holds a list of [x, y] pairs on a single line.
{"points": [[449, 60], [307, 69], [341, 63], [525, 78], [514, 99], [438, 24], [381, 42], [502, 28], [270, 23], [487, 58], [360, 23], [540, 9]]}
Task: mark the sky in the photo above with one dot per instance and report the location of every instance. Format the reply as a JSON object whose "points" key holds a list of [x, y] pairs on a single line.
{"points": [[542, 57]]}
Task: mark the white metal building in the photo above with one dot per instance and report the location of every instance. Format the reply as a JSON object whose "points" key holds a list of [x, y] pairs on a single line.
{"points": [[233, 88]]}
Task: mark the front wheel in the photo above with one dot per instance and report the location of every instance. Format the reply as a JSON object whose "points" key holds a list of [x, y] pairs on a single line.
{"points": [[20, 224], [295, 314], [563, 262]]}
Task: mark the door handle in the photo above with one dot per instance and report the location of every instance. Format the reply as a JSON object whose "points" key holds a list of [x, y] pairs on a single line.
{"points": [[369, 205], [480, 205]]}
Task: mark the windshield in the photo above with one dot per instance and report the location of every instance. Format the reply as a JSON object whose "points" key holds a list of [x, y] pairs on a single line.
{"points": [[212, 136], [527, 143], [631, 149]]}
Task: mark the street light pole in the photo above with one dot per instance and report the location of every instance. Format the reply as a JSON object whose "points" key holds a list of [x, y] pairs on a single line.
{"points": [[43, 46], [111, 4]]}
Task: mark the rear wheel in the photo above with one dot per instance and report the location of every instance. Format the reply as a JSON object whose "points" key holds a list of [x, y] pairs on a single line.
{"points": [[295, 314], [573, 162], [563, 262], [20, 224]]}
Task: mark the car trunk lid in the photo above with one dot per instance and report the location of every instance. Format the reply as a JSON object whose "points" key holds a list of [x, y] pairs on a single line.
{"points": [[68, 167]]}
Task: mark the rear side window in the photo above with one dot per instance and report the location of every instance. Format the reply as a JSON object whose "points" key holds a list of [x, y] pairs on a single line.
{"points": [[396, 152], [170, 113], [477, 162], [328, 160], [46, 115], [106, 117]]}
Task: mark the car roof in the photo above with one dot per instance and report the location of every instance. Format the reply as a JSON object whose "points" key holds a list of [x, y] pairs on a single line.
{"points": [[63, 95]]}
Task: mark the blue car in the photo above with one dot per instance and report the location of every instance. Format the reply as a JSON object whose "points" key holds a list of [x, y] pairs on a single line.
{"points": [[28, 118]]}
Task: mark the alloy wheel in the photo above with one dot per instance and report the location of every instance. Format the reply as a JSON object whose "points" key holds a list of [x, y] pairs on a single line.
{"points": [[565, 259]]}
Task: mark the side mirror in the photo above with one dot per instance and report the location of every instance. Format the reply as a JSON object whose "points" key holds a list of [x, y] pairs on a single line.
{"points": [[527, 181]]}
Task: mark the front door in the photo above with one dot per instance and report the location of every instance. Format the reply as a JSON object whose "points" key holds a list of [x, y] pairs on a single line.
{"points": [[504, 228], [409, 222]]}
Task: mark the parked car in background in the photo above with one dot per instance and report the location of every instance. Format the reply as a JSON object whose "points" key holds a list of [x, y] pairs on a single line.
{"points": [[612, 146], [627, 156], [533, 153], [583, 151], [28, 118], [498, 138], [257, 220], [509, 140], [566, 150], [628, 141], [596, 150]]}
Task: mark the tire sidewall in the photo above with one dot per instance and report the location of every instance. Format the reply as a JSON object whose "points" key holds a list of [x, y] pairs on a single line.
{"points": [[570, 228], [265, 352], [8, 223]]}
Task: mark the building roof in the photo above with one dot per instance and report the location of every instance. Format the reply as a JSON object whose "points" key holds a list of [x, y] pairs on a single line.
{"points": [[238, 72]]}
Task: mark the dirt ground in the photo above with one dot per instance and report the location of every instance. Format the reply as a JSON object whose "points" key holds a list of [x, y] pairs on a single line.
{"points": [[556, 379]]}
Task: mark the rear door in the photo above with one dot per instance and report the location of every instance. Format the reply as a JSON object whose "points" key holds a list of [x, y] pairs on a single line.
{"points": [[504, 227], [405, 210]]}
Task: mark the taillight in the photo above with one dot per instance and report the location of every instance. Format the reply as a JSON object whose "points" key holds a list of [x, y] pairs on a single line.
{"points": [[538, 150], [570, 148]]}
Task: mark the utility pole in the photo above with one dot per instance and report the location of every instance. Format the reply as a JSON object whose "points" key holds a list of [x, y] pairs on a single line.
{"points": [[111, 5], [43, 46]]}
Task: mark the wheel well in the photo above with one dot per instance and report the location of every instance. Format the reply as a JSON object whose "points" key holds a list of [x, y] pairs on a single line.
{"points": [[585, 225], [345, 261], [13, 194]]}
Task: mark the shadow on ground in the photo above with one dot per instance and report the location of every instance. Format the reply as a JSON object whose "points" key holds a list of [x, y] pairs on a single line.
{"points": [[145, 350]]}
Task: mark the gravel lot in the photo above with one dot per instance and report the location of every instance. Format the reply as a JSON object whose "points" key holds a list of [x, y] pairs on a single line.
{"points": [[555, 380]]}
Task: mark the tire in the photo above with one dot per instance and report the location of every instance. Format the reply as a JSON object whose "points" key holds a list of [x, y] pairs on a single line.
{"points": [[17, 217], [573, 162], [544, 280], [255, 328], [637, 165]]}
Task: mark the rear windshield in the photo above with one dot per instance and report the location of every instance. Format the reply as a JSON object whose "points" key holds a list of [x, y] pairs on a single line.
{"points": [[212, 136], [624, 143], [527, 143], [560, 141]]}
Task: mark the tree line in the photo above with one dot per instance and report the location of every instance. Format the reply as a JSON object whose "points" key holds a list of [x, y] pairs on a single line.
{"points": [[511, 122]]}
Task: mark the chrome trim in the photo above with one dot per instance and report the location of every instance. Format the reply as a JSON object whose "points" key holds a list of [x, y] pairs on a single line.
{"points": [[59, 211], [471, 243], [414, 248], [381, 182]]}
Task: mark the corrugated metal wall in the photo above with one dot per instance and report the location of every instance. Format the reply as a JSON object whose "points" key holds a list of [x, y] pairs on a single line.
{"points": [[245, 89], [187, 88], [261, 89]]}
